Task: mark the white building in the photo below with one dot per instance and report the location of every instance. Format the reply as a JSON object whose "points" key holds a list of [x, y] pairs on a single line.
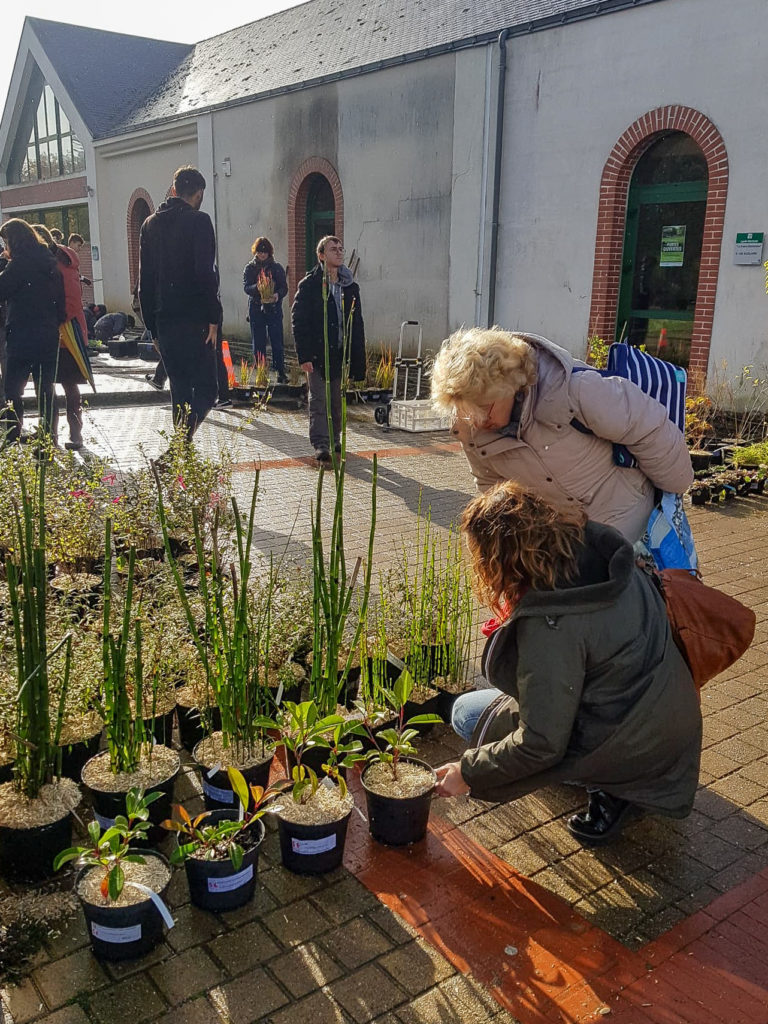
{"points": [[561, 167]]}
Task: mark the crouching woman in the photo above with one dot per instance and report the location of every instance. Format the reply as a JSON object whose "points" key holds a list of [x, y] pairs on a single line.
{"points": [[588, 685]]}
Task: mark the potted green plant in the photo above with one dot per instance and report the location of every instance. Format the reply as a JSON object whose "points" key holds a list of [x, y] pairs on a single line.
{"points": [[220, 849], [398, 786], [36, 805], [120, 888], [233, 646], [313, 820], [132, 758]]}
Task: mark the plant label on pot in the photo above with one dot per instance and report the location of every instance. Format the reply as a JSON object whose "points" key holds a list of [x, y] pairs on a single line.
{"points": [[227, 884], [155, 897], [104, 822], [224, 796], [130, 934], [312, 846]]}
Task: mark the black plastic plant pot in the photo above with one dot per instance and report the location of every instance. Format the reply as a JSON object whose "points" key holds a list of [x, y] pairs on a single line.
{"points": [[161, 727], [191, 729], [217, 792], [125, 933], [28, 853], [6, 771], [107, 805], [75, 755], [399, 821], [214, 884], [312, 849], [314, 758]]}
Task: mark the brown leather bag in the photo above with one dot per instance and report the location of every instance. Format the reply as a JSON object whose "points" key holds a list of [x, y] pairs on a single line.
{"points": [[711, 629]]}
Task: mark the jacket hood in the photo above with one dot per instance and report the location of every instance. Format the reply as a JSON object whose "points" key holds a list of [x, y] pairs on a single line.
{"points": [[346, 277], [606, 564], [173, 205]]}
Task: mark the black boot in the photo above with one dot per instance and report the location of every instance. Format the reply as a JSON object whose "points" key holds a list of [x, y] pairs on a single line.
{"points": [[603, 819]]}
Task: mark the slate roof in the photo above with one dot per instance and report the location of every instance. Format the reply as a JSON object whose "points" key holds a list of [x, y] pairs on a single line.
{"points": [[107, 74], [144, 81]]}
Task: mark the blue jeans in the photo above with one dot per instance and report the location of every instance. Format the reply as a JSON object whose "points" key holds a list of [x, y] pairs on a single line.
{"points": [[467, 710], [268, 324]]}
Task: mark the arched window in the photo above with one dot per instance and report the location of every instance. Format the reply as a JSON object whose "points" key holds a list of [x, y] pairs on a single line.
{"points": [[139, 208], [666, 208], [315, 209], [321, 214], [53, 149]]}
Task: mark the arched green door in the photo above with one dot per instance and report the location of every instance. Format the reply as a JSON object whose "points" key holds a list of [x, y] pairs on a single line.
{"points": [[321, 215], [662, 248]]}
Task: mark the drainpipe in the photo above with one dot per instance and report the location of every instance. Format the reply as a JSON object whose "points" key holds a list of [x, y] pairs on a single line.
{"points": [[503, 36]]}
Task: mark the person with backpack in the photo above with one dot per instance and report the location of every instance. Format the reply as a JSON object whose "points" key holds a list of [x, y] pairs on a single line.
{"points": [[588, 686], [523, 413]]}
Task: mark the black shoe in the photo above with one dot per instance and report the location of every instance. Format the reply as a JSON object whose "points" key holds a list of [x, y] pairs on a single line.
{"points": [[282, 379], [223, 403], [337, 447], [322, 455], [149, 378], [603, 819], [74, 446]]}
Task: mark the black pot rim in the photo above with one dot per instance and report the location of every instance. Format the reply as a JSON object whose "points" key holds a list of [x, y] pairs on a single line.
{"points": [[143, 853], [147, 789], [223, 768], [403, 760]]}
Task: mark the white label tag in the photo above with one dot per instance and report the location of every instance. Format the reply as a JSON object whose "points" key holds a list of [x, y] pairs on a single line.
{"points": [[100, 931], [231, 881], [155, 897], [212, 771], [279, 694], [224, 796], [311, 846], [104, 822]]}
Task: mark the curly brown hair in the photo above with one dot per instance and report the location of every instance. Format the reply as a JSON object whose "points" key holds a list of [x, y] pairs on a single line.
{"points": [[515, 538]]}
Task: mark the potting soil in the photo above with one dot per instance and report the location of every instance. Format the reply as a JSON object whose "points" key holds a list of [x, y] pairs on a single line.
{"points": [[152, 770], [324, 807], [154, 873], [55, 799]]}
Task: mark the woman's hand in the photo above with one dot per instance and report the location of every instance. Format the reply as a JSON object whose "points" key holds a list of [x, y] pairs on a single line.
{"points": [[450, 781]]}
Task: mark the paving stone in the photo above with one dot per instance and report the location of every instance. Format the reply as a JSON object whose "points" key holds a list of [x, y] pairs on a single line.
{"points": [[66, 1015], [555, 882], [712, 851], [699, 899], [305, 968], [245, 947], [193, 926], [262, 903], [199, 1011], [396, 928], [417, 966], [367, 993], [757, 771], [128, 1002], [186, 975], [286, 887], [736, 750], [741, 870], [72, 936], [713, 806], [123, 969], [742, 831], [356, 942], [319, 1008], [64, 979], [21, 1002], [296, 923], [521, 856], [457, 999], [345, 900], [553, 841], [247, 999], [739, 790], [584, 872]]}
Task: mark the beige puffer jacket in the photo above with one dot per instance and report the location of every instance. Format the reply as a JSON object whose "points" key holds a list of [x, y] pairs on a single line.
{"points": [[576, 470]]}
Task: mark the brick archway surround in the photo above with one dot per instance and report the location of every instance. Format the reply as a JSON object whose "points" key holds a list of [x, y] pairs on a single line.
{"points": [[611, 220], [297, 214], [132, 231]]}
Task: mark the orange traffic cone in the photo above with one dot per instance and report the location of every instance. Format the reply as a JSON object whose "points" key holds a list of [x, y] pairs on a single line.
{"points": [[228, 362], [663, 338]]}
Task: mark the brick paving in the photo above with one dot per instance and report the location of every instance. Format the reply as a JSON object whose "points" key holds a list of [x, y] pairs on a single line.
{"points": [[689, 897]]}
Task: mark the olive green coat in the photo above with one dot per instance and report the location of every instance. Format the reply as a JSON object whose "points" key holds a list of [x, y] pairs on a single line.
{"points": [[598, 692]]}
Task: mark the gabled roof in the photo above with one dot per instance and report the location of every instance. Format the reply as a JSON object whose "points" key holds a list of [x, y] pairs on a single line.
{"points": [[106, 73], [328, 38]]}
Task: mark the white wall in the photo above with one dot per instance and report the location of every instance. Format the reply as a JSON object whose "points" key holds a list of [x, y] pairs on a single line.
{"points": [[571, 94]]}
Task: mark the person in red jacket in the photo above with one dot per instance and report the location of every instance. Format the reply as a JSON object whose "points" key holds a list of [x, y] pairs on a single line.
{"points": [[68, 373]]}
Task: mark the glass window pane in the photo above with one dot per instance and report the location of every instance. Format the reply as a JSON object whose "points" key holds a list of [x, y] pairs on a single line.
{"points": [[42, 131], [50, 110], [674, 158], [53, 156], [66, 149], [78, 156], [32, 162], [63, 122]]}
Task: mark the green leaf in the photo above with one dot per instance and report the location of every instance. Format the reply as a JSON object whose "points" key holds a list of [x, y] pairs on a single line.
{"points": [[239, 785], [236, 856], [116, 881], [94, 831], [403, 687], [424, 720], [66, 856]]}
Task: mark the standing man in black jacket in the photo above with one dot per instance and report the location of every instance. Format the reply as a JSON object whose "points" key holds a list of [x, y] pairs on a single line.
{"points": [[343, 314], [178, 295]]}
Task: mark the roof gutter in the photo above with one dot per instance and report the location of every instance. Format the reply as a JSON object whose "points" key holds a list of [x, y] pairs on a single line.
{"points": [[496, 195], [593, 10]]}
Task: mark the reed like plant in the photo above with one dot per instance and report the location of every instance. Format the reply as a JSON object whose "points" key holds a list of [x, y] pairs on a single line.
{"points": [[233, 640], [38, 726]]}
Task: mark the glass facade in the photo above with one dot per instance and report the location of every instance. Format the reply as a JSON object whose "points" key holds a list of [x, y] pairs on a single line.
{"points": [[53, 149], [70, 220]]}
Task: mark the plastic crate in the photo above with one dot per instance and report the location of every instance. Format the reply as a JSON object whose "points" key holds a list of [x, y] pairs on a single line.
{"points": [[416, 415]]}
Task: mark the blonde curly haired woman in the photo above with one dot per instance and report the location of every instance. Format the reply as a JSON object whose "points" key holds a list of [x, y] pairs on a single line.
{"points": [[588, 686], [522, 414]]}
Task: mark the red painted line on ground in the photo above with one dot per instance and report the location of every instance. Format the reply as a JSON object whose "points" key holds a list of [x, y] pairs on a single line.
{"points": [[475, 908], [307, 461]]}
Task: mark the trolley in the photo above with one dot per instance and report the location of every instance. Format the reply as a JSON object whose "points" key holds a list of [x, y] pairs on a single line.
{"points": [[401, 412]]}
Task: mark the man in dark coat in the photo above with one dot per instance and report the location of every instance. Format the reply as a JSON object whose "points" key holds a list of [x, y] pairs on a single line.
{"points": [[328, 295], [178, 295]]}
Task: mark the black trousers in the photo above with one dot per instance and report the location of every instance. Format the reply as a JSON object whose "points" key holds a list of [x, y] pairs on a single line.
{"points": [[17, 373], [191, 368], [161, 374]]}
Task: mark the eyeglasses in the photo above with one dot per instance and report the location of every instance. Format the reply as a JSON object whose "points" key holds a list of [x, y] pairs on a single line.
{"points": [[335, 248]]}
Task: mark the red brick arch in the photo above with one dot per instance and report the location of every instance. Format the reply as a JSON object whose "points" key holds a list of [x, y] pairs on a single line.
{"points": [[297, 213], [138, 204], [611, 220]]}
